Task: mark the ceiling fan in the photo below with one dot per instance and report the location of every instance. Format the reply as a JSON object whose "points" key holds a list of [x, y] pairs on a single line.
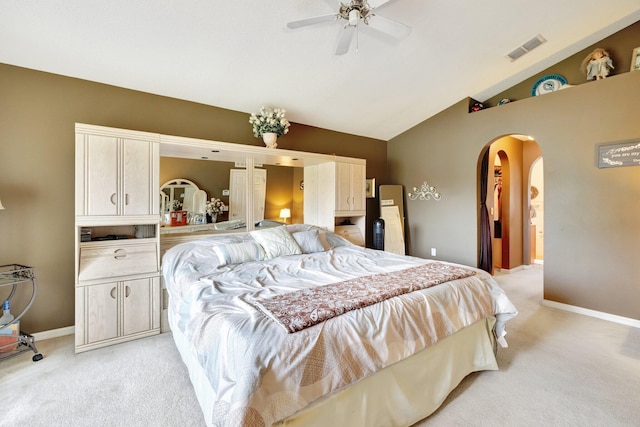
{"points": [[354, 12]]}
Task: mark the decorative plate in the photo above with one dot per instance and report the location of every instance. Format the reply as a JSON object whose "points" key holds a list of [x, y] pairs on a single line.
{"points": [[548, 83]]}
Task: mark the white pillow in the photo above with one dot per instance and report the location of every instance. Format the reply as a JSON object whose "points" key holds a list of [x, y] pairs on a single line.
{"points": [[235, 253], [276, 241], [309, 241]]}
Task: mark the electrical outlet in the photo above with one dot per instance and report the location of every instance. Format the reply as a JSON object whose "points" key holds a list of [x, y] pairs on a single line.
{"points": [[433, 251], [225, 192]]}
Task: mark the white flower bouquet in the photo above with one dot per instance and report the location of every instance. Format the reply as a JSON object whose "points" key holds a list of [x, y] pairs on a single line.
{"points": [[176, 205], [214, 206], [269, 120]]}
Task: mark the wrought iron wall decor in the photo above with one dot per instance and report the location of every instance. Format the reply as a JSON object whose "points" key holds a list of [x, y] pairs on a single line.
{"points": [[425, 192]]}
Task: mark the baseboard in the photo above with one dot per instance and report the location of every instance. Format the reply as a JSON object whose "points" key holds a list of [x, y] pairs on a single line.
{"points": [[54, 333], [593, 313], [512, 270], [518, 268]]}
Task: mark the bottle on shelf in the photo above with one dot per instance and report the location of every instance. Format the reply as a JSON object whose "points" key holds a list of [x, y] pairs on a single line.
{"points": [[7, 317]]}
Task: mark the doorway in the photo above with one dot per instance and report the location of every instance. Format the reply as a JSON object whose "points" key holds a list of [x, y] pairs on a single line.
{"points": [[514, 174]]}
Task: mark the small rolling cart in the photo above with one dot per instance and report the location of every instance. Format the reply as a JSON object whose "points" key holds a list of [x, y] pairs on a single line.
{"points": [[12, 340]]}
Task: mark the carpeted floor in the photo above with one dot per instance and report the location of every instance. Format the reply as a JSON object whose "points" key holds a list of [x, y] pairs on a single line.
{"points": [[561, 369]]}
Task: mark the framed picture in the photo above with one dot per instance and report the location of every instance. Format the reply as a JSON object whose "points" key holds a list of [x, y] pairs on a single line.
{"points": [[635, 60], [370, 189]]}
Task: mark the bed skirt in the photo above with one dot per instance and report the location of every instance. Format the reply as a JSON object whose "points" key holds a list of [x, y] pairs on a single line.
{"points": [[399, 395]]}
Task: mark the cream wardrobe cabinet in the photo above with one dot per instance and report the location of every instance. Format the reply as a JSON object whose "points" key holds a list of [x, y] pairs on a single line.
{"points": [[335, 197], [116, 173], [117, 236]]}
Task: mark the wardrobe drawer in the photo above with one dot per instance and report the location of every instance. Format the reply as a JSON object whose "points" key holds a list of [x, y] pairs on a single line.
{"points": [[105, 260], [351, 233]]}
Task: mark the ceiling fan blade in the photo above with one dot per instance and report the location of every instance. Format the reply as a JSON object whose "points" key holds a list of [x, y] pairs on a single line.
{"points": [[345, 39], [311, 21], [389, 26], [377, 4], [333, 3]]}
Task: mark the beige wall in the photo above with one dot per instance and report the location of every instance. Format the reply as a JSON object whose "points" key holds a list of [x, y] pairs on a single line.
{"points": [[37, 116], [592, 232]]}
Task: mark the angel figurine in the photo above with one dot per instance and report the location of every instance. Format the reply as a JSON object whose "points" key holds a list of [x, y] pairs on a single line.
{"points": [[597, 64]]}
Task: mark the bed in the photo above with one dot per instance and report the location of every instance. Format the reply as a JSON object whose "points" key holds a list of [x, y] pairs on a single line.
{"points": [[296, 326]]}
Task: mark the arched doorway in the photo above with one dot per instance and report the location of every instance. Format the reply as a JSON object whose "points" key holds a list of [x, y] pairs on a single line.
{"points": [[509, 164]]}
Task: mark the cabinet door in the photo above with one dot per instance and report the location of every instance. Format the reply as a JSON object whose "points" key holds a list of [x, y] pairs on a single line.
{"points": [[343, 187], [101, 312], [141, 301], [99, 191], [358, 187], [139, 192], [116, 176], [350, 187]]}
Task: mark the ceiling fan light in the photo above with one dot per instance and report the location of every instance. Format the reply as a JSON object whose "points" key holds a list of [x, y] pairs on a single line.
{"points": [[354, 17]]}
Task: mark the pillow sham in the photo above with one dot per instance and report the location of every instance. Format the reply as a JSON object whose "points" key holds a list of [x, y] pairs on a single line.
{"points": [[309, 241], [236, 253], [276, 242]]}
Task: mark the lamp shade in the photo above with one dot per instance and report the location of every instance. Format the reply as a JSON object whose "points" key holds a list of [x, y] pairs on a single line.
{"points": [[285, 213]]}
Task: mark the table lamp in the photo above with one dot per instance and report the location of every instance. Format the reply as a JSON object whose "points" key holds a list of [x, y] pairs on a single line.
{"points": [[285, 213]]}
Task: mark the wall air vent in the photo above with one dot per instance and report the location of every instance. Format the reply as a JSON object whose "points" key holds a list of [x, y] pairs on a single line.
{"points": [[526, 47]]}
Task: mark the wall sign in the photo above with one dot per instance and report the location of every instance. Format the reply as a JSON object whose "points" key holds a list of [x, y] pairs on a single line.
{"points": [[617, 155]]}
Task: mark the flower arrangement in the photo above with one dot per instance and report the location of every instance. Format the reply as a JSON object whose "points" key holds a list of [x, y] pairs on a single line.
{"points": [[176, 205], [215, 206], [269, 120]]}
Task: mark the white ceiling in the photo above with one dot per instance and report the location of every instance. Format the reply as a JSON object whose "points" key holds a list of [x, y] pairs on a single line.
{"points": [[239, 55]]}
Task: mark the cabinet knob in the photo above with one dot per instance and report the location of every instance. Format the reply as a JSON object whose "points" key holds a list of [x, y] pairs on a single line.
{"points": [[126, 198], [119, 254], [127, 291], [113, 293], [113, 199]]}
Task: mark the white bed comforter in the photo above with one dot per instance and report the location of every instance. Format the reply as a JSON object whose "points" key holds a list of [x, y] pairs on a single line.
{"points": [[261, 374]]}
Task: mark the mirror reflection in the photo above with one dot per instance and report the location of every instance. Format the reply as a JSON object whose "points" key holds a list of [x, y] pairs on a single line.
{"points": [[183, 196], [282, 187]]}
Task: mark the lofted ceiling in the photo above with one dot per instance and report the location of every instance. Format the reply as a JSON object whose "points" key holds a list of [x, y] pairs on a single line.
{"points": [[240, 55]]}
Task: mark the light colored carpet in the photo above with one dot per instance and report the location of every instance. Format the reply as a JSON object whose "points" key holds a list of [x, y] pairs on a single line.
{"points": [[561, 369]]}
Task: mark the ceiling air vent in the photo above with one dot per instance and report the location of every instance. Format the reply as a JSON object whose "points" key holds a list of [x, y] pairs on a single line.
{"points": [[526, 47]]}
